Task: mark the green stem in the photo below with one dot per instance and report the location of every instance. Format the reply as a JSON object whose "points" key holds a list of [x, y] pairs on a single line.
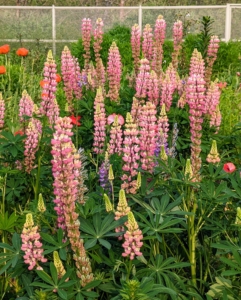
{"points": [[38, 179], [192, 237]]}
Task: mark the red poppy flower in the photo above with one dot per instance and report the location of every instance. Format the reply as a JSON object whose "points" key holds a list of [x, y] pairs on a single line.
{"points": [[4, 49], [20, 132], [43, 83], [229, 167], [58, 78], [2, 70], [75, 120], [22, 52]]}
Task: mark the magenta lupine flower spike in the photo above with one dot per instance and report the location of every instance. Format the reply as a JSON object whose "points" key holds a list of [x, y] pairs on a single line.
{"points": [[26, 106], [196, 100], [114, 72], [33, 132], [86, 29], [115, 138], [48, 105], [2, 111], [159, 37], [147, 43], [131, 156], [65, 168], [99, 122], [153, 88], [211, 57], [148, 129], [142, 79], [133, 237], [136, 46], [177, 35], [31, 244]]}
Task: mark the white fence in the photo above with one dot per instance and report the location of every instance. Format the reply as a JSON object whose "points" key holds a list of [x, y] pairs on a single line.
{"points": [[54, 25]]}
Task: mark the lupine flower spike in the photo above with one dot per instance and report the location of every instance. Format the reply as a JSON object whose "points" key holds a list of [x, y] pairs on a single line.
{"points": [[41, 206], [86, 29], [177, 34], [2, 111], [142, 80], [131, 155], [115, 137], [159, 37], [103, 174], [216, 118], [31, 244], [108, 205], [114, 72], [98, 38], [26, 106], [99, 122], [136, 46], [58, 265], [211, 57], [147, 43], [148, 128], [122, 210], [65, 168], [188, 169], [48, 105], [238, 216], [133, 237], [33, 132], [213, 156]]}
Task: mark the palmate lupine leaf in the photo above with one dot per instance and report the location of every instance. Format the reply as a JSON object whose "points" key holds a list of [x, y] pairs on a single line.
{"points": [[98, 230], [13, 254]]}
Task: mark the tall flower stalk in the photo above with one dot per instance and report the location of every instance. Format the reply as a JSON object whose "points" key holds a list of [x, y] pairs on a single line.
{"points": [[65, 168], [177, 34], [31, 244], [136, 46], [99, 122], [49, 106], [147, 43], [114, 72], [86, 29], [2, 111], [131, 155]]}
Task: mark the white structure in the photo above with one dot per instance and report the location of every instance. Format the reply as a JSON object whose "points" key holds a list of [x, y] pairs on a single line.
{"points": [[54, 24]]}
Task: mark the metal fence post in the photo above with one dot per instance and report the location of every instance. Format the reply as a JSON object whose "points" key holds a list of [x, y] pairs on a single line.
{"points": [[140, 17], [228, 22], [53, 30]]}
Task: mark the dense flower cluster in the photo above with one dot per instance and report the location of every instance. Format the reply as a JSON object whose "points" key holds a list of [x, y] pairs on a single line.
{"points": [[148, 139], [49, 106], [213, 156], [86, 29], [33, 132], [99, 123], [122, 210], [114, 72], [26, 106], [133, 237], [31, 245], [211, 57], [159, 37], [65, 168], [177, 34], [142, 80], [136, 46], [115, 137], [147, 43], [131, 155]]}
